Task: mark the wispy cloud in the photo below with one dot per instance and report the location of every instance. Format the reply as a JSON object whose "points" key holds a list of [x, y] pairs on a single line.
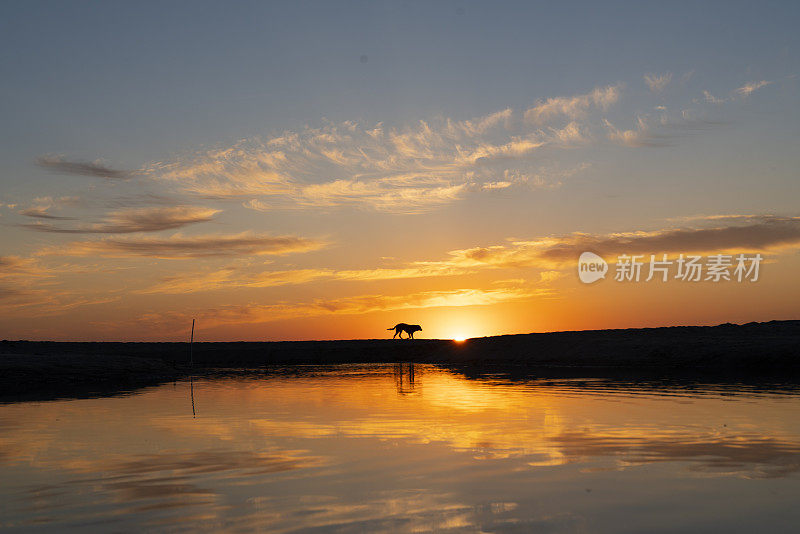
{"points": [[31, 302], [739, 93], [660, 131], [548, 254], [402, 169], [38, 213], [360, 304], [14, 266], [640, 136], [45, 302], [573, 107], [231, 277], [419, 167], [405, 170], [62, 165], [751, 87], [428, 299], [134, 220], [657, 82], [379, 195], [711, 99], [181, 247], [41, 206], [29, 289]]}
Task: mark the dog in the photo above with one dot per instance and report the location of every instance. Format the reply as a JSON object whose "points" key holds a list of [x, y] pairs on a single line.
{"points": [[407, 328]]}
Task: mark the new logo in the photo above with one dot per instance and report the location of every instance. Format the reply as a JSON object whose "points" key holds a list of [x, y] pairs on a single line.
{"points": [[591, 267]]}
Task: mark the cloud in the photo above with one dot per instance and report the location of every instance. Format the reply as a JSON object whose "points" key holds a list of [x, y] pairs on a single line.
{"points": [[741, 92], [657, 82], [418, 167], [428, 299], [404, 170], [711, 99], [387, 196], [641, 136], [239, 277], [751, 87], [727, 233], [38, 213], [30, 289], [376, 194], [60, 164], [129, 201], [41, 206], [181, 247], [419, 269], [134, 220], [717, 234], [355, 305], [660, 131], [30, 271], [13, 266], [229, 278], [573, 107], [736, 234], [547, 277], [32, 302]]}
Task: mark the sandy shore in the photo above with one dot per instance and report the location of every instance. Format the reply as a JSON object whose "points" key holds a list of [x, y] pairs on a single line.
{"points": [[36, 369]]}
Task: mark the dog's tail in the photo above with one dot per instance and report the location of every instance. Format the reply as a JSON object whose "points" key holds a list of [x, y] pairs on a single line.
{"points": [[392, 328]]}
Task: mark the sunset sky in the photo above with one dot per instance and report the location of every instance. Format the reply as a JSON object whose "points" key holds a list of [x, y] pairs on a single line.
{"points": [[319, 170]]}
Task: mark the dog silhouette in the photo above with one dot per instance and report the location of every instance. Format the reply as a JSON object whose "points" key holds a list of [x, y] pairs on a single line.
{"points": [[407, 328]]}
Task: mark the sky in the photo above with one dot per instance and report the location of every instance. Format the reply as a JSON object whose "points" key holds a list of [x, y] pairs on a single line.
{"points": [[321, 170]]}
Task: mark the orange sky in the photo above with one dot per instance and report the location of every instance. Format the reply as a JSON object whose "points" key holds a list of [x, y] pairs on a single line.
{"points": [[436, 184]]}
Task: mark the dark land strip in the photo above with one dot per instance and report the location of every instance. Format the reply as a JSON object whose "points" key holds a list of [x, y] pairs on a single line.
{"points": [[40, 370]]}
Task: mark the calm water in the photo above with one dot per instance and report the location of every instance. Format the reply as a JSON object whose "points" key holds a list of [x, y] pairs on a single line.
{"points": [[388, 448]]}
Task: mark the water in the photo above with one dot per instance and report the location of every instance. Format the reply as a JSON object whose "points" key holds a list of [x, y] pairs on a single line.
{"points": [[401, 449]]}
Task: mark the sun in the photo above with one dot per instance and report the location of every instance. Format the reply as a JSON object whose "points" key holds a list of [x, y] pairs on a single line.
{"points": [[459, 338]]}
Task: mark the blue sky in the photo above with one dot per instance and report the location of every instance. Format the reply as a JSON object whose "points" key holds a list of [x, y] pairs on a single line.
{"points": [[645, 116], [80, 76]]}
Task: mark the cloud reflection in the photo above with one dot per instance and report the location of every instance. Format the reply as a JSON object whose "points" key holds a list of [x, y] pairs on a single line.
{"points": [[747, 455], [371, 448]]}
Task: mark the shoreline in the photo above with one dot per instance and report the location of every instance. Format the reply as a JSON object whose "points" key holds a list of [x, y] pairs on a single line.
{"points": [[32, 370]]}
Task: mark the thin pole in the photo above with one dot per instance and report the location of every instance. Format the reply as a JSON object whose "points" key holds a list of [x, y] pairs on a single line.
{"points": [[191, 341], [191, 372]]}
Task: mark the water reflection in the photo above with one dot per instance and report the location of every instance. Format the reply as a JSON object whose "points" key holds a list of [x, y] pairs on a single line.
{"points": [[404, 378], [164, 481], [404, 448], [191, 394], [749, 455]]}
